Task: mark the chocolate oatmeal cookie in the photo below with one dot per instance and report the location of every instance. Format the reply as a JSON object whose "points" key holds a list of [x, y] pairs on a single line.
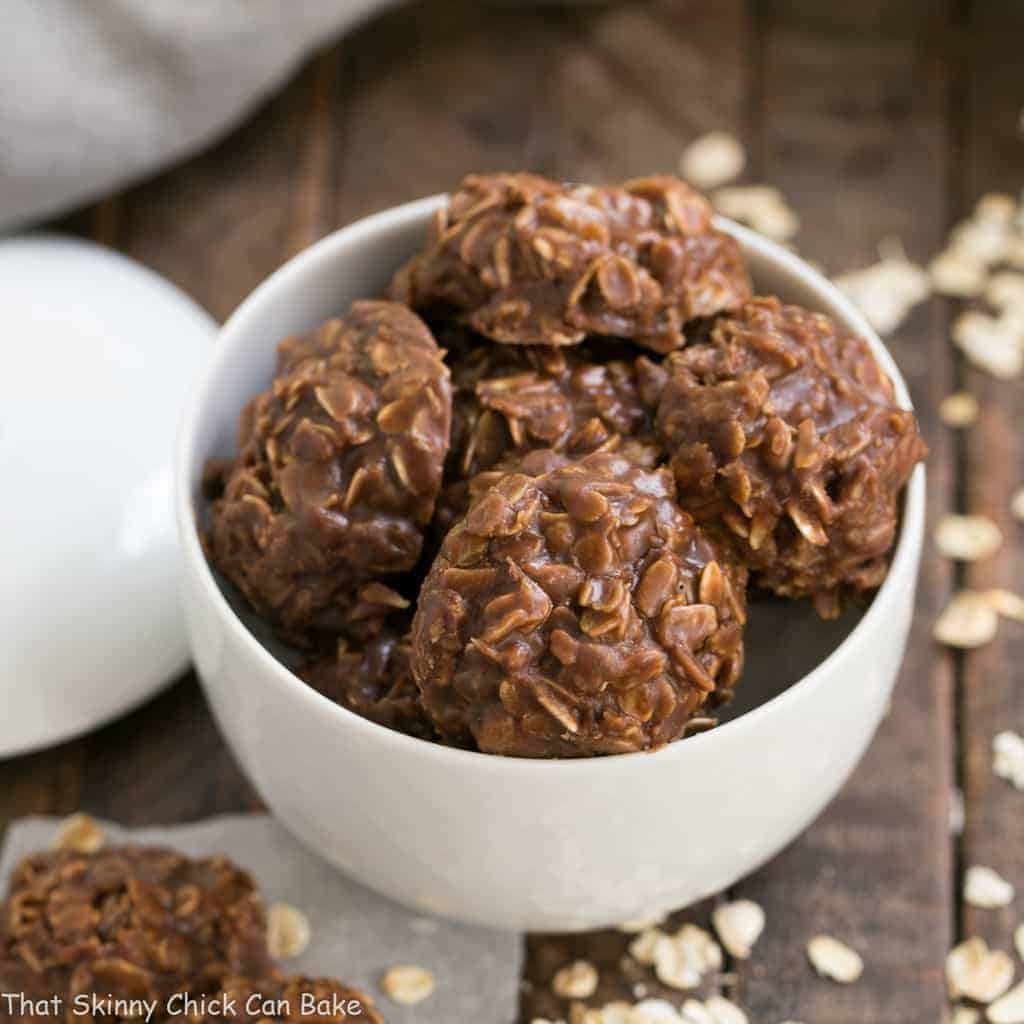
{"points": [[339, 465], [525, 260], [783, 430], [576, 612], [128, 923]]}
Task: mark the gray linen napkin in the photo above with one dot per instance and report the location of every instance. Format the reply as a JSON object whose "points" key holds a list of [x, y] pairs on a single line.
{"points": [[357, 934], [97, 93]]}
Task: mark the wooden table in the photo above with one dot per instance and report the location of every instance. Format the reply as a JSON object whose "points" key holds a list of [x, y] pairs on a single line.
{"points": [[876, 118]]}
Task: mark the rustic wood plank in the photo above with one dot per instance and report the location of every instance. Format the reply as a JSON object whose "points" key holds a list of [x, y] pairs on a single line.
{"points": [[432, 91], [852, 113], [992, 696]]}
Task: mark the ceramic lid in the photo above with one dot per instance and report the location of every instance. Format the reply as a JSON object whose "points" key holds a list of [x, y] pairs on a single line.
{"points": [[98, 356]]}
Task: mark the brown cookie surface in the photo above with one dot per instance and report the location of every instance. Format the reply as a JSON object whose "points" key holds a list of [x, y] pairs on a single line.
{"points": [[525, 260], [576, 612], [128, 922], [783, 430], [339, 466]]}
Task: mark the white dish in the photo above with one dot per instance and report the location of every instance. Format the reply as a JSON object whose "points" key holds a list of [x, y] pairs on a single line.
{"points": [[537, 845], [98, 356]]}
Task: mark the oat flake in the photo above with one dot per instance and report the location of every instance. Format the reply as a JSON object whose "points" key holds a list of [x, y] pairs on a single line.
{"points": [[1008, 604], [1009, 1009], [976, 972], [577, 980], [724, 1011], [965, 1015], [987, 889], [834, 960], [288, 931], [1008, 757], [989, 345], [967, 538], [408, 984], [1005, 289], [968, 621], [959, 409], [739, 925], [952, 274], [79, 833], [712, 160]]}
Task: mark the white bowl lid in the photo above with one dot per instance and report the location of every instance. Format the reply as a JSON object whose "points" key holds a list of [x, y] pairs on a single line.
{"points": [[98, 356]]}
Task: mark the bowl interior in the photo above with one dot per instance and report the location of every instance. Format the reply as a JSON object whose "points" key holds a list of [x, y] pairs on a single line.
{"points": [[785, 640]]}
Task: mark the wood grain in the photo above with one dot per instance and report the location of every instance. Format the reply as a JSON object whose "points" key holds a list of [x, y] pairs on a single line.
{"points": [[993, 160]]}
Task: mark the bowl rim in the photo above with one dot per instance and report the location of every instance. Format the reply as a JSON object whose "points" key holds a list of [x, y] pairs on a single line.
{"points": [[232, 335]]}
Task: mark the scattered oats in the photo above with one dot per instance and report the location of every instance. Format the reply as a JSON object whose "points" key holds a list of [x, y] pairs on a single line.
{"points": [[577, 980], [681, 960], [1008, 757], [981, 241], [965, 1015], [739, 926], [976, 972], [407, 984], [967, 538], [989, 344], [1017, 505], [642, 948], [968, 621], [695, 1012], [886, 291], [1005, 289], [641, 924], [1009, 1009], [288, 931], [79, 833], [834, 960], [1018, 940], [984, 888], [712, 160], [952, 274], [1008, 604], [762, 207], [959, 409], [996, 206], [724, 1011]]}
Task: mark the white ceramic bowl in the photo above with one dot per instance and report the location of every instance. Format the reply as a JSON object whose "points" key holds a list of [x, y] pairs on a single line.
{"points": [[540, 845]]}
